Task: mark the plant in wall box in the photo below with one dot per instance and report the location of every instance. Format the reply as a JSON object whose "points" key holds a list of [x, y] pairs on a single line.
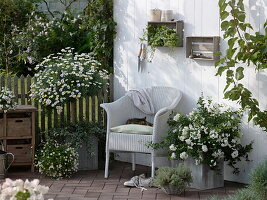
{"points": [[208, 134], [6, 100], [157, 36], [65, 77], [57, 160], [173, 180]]}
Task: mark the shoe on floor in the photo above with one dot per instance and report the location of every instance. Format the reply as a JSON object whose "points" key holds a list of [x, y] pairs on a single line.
{"points": [[139, 181]]}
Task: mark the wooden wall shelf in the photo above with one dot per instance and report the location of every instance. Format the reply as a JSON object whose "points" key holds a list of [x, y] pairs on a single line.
{"points": [[178, 26], [17, 131], [203, 47]]}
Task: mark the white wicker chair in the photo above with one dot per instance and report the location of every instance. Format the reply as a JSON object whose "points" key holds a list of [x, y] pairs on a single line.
{"points": [[165, 100]]}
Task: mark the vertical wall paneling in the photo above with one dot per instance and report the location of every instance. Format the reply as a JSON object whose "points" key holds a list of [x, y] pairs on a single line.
{"points": [[201, 18]]}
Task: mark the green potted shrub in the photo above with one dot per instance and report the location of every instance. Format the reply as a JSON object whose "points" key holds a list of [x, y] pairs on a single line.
{"points": [[173, 180], [160, 36]]}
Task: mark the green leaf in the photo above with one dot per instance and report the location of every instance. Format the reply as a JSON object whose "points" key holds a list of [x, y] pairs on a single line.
{"points": [[241, 17], [221, 70], [224, 15], [221, 2], [225, 25], [239, 74], [219, 62], [231, 42]]}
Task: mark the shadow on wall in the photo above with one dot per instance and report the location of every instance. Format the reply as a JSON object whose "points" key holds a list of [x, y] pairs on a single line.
{"points": [[121, 45]]}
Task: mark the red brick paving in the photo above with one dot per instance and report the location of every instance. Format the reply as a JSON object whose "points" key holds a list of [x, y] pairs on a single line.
{"points": [[91, 185]]}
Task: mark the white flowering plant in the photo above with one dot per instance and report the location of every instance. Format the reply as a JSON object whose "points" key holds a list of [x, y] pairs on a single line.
{"points": [[208, 134], [7, 100], [67, 76], [22, 190], [57, 160]]}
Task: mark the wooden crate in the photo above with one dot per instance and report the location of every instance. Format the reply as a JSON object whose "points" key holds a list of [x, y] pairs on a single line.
{"points": [[203, 48], [18, 127], [22, 152], [2, 127]]}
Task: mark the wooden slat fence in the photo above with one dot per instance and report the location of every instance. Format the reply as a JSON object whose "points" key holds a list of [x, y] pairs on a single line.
{"points": [[84, 109]]}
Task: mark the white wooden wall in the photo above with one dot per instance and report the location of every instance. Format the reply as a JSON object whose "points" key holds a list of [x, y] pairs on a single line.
{"points": [[201, 18]]}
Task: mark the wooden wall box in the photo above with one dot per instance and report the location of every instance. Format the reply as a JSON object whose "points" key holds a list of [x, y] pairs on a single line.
{"points": [[203, 48], [178, 26], [17, 131]]}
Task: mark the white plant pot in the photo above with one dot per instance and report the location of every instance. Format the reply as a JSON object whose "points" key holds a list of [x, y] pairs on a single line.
{"points": [[155, 15], [203, 177], [166, 15]]}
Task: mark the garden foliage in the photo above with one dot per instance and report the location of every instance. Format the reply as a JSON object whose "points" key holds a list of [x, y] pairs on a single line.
{"points": [[28, 35], [257, 190]]}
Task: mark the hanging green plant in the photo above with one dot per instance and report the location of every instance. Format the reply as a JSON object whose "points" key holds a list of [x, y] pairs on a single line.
{"points": [[244, 49], [159, 36]]}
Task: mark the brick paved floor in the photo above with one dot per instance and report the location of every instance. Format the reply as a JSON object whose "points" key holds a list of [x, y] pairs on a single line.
{"points": [[91, 185]]}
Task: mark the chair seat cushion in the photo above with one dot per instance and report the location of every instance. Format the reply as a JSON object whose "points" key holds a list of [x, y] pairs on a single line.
{"points": [[133, 129]]}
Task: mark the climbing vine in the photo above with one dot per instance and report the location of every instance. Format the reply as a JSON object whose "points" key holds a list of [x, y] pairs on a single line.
{"points": [[244, 49]]}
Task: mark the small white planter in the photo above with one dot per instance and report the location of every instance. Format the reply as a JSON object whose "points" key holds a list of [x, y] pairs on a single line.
{"points": [[166, 15], [203, 177], [155, 15]]}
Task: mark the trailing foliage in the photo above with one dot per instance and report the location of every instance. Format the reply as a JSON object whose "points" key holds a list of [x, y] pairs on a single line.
{"points": [[158, 36], [101, 32], [180, 177], [243, 48]]}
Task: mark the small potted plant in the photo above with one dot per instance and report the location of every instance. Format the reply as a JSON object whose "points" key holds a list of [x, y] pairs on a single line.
{"points": [[173, 180], [160, 36]]}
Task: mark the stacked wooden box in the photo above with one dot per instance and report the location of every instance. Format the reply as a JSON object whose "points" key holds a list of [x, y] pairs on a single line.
{"points": [[17, 133]]}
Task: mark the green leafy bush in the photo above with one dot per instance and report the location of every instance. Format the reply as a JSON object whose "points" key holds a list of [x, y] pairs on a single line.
{"points": [[14, 14], [179, 177], [242, 194], [77, 134], [101, 32], [57, 160], [257, 190], [258, 180]]}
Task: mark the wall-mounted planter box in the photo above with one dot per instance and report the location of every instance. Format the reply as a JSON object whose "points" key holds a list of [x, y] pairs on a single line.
{"points": [[203, 48], [177, 26]]}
